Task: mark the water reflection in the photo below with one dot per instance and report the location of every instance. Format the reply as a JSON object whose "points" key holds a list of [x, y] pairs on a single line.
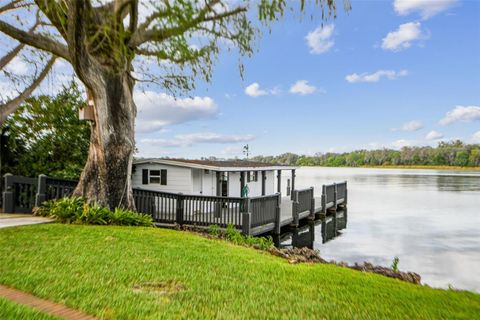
{"points": [[430, 219], [304, 236]]}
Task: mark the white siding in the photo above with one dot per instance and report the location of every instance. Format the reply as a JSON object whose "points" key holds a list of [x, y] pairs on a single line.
{"points": [[209, 183], [178, 179], [197, 181], [234, 184], [270, 183]]}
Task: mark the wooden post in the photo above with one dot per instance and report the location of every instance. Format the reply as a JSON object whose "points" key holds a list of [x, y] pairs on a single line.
{"points": [[346, 194], [293, 181], [242, 182], [264, 177], [312, 205], [324, 200], [41, 190], [219, 183], [278, 216], [335, 196], [246, 223], [8, 204], [279, 181], [180, 210], [295, 208]]}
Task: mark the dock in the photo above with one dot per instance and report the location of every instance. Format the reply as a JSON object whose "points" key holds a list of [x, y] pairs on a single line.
{"points": [[252, 216]]}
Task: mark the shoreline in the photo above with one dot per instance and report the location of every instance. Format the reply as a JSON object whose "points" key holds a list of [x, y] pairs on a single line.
{"points": [[418, 167]]}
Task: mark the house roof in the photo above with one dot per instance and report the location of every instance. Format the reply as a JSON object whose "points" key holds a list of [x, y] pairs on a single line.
{"points": [[217, 165]]}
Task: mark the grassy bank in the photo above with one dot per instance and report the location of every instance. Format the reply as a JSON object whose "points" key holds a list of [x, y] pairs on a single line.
{"points": [[12, 311], [148, 273]]}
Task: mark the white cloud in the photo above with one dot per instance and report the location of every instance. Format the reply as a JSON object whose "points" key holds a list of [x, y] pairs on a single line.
{"points": [[410, 126], [320, 39], [426, 8], [197, 138], [157, 110], [433, 135], [403, 37], [403, 143], [461, 113], [302, 87], [254, 90], [476, 137], [376, 76]]}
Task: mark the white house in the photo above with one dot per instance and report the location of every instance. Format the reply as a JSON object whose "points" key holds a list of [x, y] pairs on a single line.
{"points": [[211, 178]]}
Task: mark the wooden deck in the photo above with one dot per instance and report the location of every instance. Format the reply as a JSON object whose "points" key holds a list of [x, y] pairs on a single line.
{"points": [[253, 216]]}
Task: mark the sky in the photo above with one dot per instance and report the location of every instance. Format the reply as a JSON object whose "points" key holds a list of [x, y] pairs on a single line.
{"points": [[386, 74]]}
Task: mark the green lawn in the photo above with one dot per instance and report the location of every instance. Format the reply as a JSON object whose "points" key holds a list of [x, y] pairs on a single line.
{"points": [[12, 311], [147, 273]]}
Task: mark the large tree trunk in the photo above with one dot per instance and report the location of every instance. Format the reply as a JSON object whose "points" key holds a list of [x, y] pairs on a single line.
{"points": [[106, 178]]}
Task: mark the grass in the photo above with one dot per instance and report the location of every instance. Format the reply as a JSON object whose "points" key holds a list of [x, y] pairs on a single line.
{"points": [[12, 311], [148, 273]]}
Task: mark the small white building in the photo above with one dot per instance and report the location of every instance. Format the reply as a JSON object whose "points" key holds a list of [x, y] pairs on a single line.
{"points": [[209, 178]]}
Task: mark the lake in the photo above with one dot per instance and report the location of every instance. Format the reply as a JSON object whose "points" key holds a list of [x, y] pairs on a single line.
{"points": [[429, 219]]}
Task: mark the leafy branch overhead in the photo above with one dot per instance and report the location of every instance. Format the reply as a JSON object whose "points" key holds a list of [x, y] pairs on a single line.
{"points": [[183, 37]]}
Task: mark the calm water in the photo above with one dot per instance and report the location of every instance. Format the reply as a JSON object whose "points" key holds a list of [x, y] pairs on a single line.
{"points": [[429, 219]]}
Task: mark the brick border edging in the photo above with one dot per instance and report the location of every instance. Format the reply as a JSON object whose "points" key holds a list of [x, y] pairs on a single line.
{"points": [[49, 307]]}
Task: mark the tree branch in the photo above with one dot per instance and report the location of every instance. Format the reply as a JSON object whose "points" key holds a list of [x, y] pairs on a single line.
{"points": [[35, 40], [12, 105], [142, 35], [9, 56]]}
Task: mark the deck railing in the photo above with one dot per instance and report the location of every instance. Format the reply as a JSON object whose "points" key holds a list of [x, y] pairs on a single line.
{"points": [[264, 209], [53, 188], [208, 210], [197, 210], [303, 204], [342, 191], [19, 194]]}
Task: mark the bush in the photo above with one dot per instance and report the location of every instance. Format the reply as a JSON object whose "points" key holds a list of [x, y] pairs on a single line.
{"points": [[44, 209], [122, 217], [235, 236], [214, 230], [94, 215], [76, 210], [67, 210], [395, 262]]}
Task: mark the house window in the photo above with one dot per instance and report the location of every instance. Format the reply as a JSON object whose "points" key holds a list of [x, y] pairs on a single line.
{"points": [[158, 177], [252, 176], [155, 176]]}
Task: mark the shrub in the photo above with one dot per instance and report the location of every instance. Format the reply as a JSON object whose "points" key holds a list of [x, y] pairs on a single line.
{"points": [[233, 235], [75, 210], [67, 210], [123, 217], [395, 262], [214, 230], [44, 209], [94, 215]]}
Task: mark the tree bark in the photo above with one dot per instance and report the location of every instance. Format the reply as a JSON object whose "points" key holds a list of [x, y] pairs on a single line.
{"points": [[106, 178]]}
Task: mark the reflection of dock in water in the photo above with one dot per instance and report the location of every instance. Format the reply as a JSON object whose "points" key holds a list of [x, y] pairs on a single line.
{"points": [[304, 235]]}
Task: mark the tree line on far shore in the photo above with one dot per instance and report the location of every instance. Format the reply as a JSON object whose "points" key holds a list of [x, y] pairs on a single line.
{"points": [[452, 153]]}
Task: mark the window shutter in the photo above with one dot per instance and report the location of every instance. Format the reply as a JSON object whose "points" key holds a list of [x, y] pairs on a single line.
{"points": [[163, 177], [144, 176]]}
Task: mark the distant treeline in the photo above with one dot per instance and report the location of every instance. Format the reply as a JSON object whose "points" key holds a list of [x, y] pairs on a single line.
{"points": [[454, 153]]}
